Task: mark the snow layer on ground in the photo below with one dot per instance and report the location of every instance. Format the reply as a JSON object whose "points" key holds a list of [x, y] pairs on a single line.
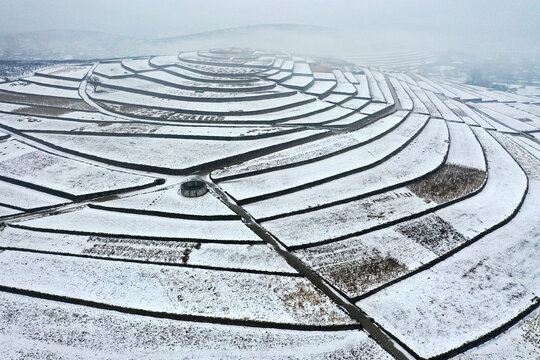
{"points": [[418, 105], [502, 194], [215, 79], [259, 257], [287, 65], [349, 120], [298, 81], [404, 98], [25, 198], [465, 149], [376, 93], [328, 76], [458, 91], [355, 103], [471, 293], [21, 122], [53, 82], [520, 342], [94, 221], [151, 88], [438, 88], [112, 70], [164, 152], [472, 115], [320, 87], [343, 85], [426, 101], [176, 290], [25, 163], [445, 112], [373, 108], [5, 211], [528, 144], [362, 86], [357, 268], [236, 132], [265, 105], [383, 85], [163, 60], [280, 76], [298, 112], [353, 159], [169, 200], [75, 72], [506, 120], [376, 210], [316, 148], [38, 329], [331, 113], [463, 116], [137, 65], [219, 70], [302, 69], [336, 98], [185, 79], [362, 263], [422, 155], [527, 108], [345, 219]]}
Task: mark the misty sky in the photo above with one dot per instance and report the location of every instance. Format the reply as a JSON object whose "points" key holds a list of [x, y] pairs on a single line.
{"points": [[496, 23]]}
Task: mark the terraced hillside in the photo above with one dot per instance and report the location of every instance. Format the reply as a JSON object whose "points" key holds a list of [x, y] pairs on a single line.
{"points": [[352, 213]]}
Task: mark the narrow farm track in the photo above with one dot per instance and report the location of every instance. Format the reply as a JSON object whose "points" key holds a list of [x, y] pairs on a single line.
{"points": [[367, 324]]}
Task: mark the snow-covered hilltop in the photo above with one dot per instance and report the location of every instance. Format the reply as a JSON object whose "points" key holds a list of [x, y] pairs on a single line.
{"points": [[352, 212]]}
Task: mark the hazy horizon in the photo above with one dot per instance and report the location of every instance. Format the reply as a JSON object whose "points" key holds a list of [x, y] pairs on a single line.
{"points": [[481, 26]]}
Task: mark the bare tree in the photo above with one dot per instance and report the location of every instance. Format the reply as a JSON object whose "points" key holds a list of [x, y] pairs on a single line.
{"points": [[94, 82]]}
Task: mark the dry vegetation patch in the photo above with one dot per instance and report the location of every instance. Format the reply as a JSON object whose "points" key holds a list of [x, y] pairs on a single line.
{"points": [[448, 183], [136, 110], [301, 300], [42, 111], [531, 330], [72, 104], [368, 270], [149, 250], [433, 233]]}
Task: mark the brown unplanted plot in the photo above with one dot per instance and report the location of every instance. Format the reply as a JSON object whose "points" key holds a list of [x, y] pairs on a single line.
{"points": [[433, 233], [302, 299], [448, 183], [43, 111], [135, 110], [367, 271], [47, 101], [149, 250], [531, 329]]}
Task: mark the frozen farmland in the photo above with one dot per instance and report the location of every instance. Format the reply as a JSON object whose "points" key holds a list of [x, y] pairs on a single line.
{"points": [[345, 212]]}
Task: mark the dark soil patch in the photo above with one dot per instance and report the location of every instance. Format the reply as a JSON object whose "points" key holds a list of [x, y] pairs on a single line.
{"points": [[43, 111], [72, 104], [368, 270], [301, 299], [433, 233], [531, 329], [149, 250], [135, 110], [449, 182]]}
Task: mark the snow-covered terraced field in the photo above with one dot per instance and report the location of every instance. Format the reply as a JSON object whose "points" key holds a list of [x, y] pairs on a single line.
{"points": [[346, 211]]}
